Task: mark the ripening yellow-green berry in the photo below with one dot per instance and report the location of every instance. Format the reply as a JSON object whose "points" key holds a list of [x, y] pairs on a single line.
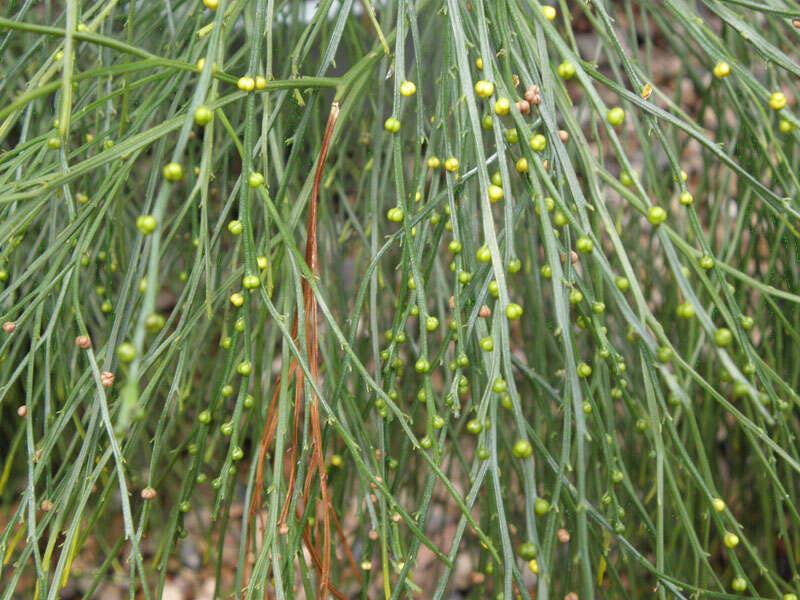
{"points": [[538, 143], [616, 116], [395, 215], [686, 199], [656, 215], [522, 165], [502, 106], [201, 63], [392, 125], [261, 82], [203, 115], [54, 142], [211, 4], [255, 179], [719, 504], [513, 311], [722, 70], [237, 299], [451, 164], [146, 224], [549, 12], [731, 540], [173, 172], [434, 162], [777, 101], [495, 193], [408, 88], [566, 70], [786, 126], [484, 89], [262, 262], [479, 63], [246, 84]]}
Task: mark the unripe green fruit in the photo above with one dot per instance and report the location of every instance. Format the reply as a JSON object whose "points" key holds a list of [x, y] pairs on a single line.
{"points": [[203, 115], [126, 352]]}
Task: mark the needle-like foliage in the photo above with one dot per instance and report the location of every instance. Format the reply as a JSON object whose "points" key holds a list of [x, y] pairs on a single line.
{"points": [[400, 299]]}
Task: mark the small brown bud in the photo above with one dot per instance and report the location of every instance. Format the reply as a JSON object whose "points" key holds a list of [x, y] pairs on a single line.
{"points": [[83, 341], [564, 135], [477, 578], [485, 312], [562, 535], [396, 517], [37, 455], [452, 302], [149, 493], [9, 326], [515, 79], [524, 107], [796, 22], [571, 596], [283, 529], [22, 410], [46, 505], [107, 378], [373, 535], [532, 95]]}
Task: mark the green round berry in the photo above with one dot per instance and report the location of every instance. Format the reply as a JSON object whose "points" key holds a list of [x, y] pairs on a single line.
{"points": [[454, 246], [244, 368], [250, 282], [514, 265], [616, 116], [204, 417], [522, 449], [584, 370], [237, 453], [154, 323], [706, 262], [173, 172], [656, 215], [226, 428], [566, 70], [513, 311], [431, 323], [622, 284], [146, 224], [483, 254], [254, 180], [538, 143], [723, 337], [203, 115], [474, 426], [422, 365], [236, 227], [486, 344], [126, 352], [664, 354], [584, 245], [392, 125], [540, 507], [527, 550]]}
